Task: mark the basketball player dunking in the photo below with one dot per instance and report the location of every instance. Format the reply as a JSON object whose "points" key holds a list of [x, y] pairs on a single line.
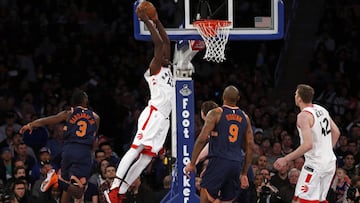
{"points": [[153, 123]]}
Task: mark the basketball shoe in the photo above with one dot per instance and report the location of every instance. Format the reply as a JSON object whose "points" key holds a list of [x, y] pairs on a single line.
{"points": [[113, 196], [51, 179]]}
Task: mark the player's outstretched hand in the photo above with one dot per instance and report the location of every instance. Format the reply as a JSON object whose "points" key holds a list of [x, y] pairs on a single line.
{"points": [[189, 168], [25, 128]]}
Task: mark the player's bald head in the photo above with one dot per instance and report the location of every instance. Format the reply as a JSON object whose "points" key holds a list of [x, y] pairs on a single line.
{"points": [[231, 94]]}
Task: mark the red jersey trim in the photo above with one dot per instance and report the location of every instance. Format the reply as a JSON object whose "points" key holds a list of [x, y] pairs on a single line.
{"points": [[152, 108], [146, 150]]}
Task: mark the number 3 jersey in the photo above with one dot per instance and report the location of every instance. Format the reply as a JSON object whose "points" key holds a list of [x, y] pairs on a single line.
{"points": [[321, 154], [228, 137], [81, 127], [162, 90]]}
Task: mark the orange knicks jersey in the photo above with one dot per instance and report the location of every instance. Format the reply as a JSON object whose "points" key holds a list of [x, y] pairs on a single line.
{"points": [[81, 127], [162, 90]]}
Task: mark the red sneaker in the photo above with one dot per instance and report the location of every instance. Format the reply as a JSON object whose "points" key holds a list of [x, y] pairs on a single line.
{"points": [[113, 196]]}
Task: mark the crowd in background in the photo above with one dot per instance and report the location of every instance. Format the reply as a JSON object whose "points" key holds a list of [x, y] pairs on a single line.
{"points": [[48, 48]]}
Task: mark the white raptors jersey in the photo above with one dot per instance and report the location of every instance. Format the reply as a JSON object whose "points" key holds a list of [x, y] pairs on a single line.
{"points": [[162, 90], [321, 154]]}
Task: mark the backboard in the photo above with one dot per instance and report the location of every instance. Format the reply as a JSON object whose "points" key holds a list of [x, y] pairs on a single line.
{"points": [[251, 20]]}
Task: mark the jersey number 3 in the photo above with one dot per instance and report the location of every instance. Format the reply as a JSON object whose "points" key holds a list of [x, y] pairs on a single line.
{"points": [[234, 132], [82, 128]]}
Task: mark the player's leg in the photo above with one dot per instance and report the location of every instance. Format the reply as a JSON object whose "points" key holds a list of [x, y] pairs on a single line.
{"points": [[153, 139], [133, 152], [125, 164], [205, 197], [65, 197], [325, 183], [135, 171], [308, 185]]}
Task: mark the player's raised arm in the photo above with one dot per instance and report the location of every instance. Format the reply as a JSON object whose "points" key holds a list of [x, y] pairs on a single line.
{"points": [[156, 62], [166, 41]]}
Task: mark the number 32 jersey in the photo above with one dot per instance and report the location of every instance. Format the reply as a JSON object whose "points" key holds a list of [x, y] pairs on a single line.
{"points": [[322, 152], [81, 127]]}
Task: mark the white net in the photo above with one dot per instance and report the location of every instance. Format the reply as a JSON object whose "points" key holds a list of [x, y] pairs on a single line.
{"points": [[215, 34]]}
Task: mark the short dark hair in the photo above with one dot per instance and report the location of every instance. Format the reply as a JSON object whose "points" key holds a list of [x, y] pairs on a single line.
{"points": [[98, 150], [78, 97], [18, 168], [206, 106], [306, 93], [104, 144]]}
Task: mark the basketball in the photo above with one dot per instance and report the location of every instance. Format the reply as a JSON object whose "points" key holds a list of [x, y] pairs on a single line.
{"points": [[149, 9]]}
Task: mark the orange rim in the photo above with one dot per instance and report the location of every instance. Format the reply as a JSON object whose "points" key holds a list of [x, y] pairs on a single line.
{"points": [[209, 27], [212, 23]]}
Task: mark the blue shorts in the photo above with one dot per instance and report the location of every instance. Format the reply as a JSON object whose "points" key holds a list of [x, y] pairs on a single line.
{"points": [[222, 178], [76, 160]]}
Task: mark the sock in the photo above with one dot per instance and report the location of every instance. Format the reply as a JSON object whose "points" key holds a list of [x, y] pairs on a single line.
{"points": [[135, 171], [124, 164]]}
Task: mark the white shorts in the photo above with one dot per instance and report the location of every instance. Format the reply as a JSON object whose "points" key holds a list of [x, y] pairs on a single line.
{"points": [[314, 185], [152, 130]]}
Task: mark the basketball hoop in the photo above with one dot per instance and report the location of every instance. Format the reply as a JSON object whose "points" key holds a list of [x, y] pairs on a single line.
{"points": [[215, 34]]}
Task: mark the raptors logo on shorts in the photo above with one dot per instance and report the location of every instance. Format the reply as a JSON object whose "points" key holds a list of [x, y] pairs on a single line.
{"points": [[304, 188], [140, 136]]}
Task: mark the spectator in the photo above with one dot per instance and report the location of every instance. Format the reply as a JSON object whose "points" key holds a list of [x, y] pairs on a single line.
{"points": [[99, 156], [280, 178], [349, 165], [56, 142], [262, 162], [286, 192], [44, 156], [18, 139], [159, 195], [22, 154], [112, 157], [266, 192], [91, 193], [286, 145], [36, 193], [266, 146], [354, 149], [258, 136], [99, 177], [9, 134], [340, 185], [341, 149], [6, 165], [139, 192], [274, 154], [55, 195], [10, 120], [19, 172], [110, 174], [19, 192]]}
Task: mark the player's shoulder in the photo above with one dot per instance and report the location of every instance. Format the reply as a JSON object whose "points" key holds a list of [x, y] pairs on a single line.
{"points": [[215, 112]]}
